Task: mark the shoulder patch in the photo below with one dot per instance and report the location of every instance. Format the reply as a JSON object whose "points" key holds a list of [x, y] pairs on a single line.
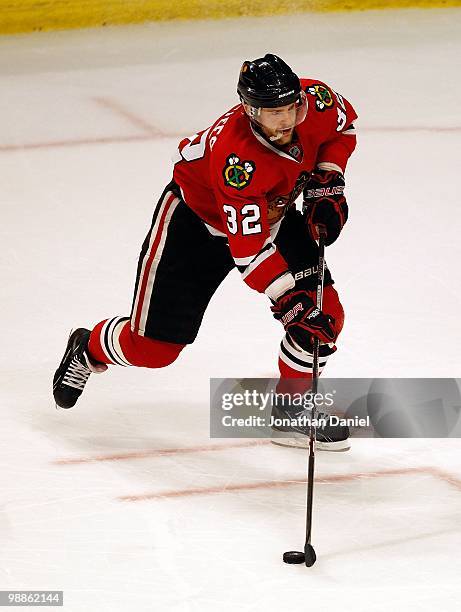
{"points": [[322, 95], [237, 173]]}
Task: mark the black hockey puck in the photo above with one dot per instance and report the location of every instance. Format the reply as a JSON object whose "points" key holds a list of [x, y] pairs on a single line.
{"points": [[293, 557], [309, 555]]}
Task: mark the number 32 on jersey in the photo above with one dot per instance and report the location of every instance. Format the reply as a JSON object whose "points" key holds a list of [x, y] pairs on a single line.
{"points": [[247, 219]]}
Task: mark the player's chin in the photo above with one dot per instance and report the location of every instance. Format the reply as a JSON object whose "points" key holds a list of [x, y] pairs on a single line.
{"points": [[286, 136]]}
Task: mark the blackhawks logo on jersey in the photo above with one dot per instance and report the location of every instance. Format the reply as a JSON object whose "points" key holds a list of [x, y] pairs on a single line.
{"points": [[323, 97], [238, 174]]}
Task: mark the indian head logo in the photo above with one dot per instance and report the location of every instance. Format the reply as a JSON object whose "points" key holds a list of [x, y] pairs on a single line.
{"points": [[238, 174], [323, 97]]}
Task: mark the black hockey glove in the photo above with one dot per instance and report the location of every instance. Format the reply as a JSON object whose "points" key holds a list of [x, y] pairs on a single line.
{"points": [[325, 204], [303, 320]]}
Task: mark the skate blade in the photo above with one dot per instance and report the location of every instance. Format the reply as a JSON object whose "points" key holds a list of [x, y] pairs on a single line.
{"points": [[299, 441]]}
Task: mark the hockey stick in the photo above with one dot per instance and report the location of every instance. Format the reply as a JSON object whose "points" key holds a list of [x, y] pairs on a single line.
{"points": [[309, 551], [309, 557]]}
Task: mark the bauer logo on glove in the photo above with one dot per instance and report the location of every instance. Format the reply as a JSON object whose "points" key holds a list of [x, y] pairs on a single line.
{"points": [[325, 205], [323, 192], [291, 314], [303, 320]]}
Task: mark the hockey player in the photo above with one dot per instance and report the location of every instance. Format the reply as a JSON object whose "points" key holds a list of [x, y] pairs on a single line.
{"points": [[231, 203]]}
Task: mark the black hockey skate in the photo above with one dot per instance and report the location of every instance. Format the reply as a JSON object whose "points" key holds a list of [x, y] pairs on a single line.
{"points": [[291, 427], [74, 370]]}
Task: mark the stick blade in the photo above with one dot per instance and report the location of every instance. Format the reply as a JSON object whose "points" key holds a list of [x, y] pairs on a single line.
{"points": [[309, 555]]}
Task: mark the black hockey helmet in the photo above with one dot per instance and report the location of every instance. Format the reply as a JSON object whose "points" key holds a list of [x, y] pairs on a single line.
{"points": [[268, 82]]}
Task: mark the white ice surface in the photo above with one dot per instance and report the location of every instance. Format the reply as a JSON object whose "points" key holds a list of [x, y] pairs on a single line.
{"points": [[89, 120]]}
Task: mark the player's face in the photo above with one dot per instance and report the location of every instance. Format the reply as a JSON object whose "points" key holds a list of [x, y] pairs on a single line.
{"points": [[278, 123]]}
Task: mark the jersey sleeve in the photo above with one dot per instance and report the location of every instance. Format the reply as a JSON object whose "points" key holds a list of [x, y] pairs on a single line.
{"points": [[238, 190], [334, 118], [341, 141]]}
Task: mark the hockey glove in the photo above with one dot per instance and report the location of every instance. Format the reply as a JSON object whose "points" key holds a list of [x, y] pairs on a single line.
{"points": [[325, 204], [303, 320]]}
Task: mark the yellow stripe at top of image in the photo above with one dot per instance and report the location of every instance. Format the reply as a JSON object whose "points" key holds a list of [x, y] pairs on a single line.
{"points": [[36, 15]]}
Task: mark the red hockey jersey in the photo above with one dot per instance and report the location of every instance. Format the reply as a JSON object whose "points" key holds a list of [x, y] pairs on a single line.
{"points": [[240, 185]]}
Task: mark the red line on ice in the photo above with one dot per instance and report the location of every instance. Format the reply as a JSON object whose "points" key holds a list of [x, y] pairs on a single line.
{"points": [[77, 142], [162, 452], [138, 122], [160, 495]]}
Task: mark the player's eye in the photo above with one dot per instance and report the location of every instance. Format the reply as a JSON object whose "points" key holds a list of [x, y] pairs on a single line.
{"points": [[285, 110]]}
